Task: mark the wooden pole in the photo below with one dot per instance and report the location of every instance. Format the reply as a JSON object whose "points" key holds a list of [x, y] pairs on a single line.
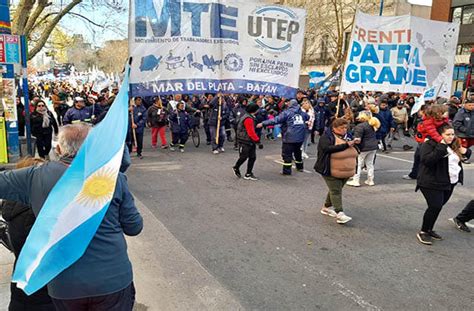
{"points": [[219, 119], [133, 130]]}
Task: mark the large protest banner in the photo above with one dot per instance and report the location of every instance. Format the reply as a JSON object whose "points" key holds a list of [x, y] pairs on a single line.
{"points": [[405, 54], [229, 46]]}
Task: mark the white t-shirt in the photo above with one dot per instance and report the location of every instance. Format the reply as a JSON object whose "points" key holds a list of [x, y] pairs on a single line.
{"points": [[454, 167]]}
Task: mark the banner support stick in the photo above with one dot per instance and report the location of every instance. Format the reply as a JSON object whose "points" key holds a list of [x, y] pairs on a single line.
{"points": [[219, 119]]}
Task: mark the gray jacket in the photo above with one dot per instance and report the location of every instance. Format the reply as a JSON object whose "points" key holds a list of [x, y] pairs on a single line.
{"points": [[463, 123], [367, 135]]}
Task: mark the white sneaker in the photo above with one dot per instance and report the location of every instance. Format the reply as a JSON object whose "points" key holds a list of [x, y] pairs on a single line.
{"points": [[369, 182], [342, 218], [353, 183], [328, 212], [407, 177], [221, 149], [304, 155], [215, 152]]}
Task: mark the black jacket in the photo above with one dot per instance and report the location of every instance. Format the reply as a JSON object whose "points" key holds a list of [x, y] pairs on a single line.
{"points": [[20, 219], [434, 167], [326, 147], [37, 128]]}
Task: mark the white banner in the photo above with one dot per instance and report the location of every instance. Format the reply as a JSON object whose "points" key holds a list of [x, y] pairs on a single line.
{"points": [[404, 54], [228, 46]]}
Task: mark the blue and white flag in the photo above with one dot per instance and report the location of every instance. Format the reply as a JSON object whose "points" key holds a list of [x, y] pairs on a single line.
{"points": [[430, 94], [77, 204], [315, 78]]}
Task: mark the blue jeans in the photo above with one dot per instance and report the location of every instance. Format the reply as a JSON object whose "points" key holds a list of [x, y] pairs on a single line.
{"points": [[222, 137]]}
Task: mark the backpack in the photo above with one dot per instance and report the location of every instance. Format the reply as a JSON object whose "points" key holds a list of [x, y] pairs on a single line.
{"points": [[5, 239]]}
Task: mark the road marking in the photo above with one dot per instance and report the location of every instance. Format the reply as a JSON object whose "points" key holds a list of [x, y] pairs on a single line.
{"points": [[342, 289]]}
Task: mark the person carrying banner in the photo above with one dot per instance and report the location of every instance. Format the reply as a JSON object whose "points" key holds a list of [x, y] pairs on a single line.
{"points": [[247, 139], [219, 113], [157, 119], [180, 125], [337, 106], [138, 125], [294, 122], [88, 284]]}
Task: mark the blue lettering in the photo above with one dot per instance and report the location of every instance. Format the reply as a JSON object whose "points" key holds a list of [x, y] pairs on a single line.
{"points": [[355, 51], [387, 49], [196, 9], [386, 75], [403, 54], [146, 12], [218, 20], [400, 75], [351, 73], [419, 77], [369, 54], [415, 58], [368, 74]]}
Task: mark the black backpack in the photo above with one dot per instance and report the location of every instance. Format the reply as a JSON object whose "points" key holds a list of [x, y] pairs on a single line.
{"points": [[5, 236]]}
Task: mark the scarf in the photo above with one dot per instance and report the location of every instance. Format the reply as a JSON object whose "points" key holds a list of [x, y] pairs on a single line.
{"points": [[46, 120]]}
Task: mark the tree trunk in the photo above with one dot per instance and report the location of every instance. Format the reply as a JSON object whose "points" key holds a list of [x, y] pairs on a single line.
{"points": [[50, 27]]}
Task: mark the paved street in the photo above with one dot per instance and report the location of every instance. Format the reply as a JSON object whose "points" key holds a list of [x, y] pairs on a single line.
{"points": [[212, 242], [269, 246]]}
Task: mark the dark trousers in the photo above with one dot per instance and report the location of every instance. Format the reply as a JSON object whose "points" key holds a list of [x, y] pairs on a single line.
{"points": [[247, 152], [228, 130], [384, 143], [180, 139], [288, 152], [139, 143], [435, 199], [120, 301], [416, 163], [207, 131], [467, 213], [43, 144]]}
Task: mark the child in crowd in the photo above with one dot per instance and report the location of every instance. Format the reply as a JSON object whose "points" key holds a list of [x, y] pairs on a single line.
{"points": [[435, 117]]}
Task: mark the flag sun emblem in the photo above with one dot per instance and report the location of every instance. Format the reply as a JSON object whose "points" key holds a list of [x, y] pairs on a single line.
{"points": [[98, 188]]}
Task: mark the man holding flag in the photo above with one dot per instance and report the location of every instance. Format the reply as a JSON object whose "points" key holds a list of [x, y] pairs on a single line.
{"points": [[83, 208]]}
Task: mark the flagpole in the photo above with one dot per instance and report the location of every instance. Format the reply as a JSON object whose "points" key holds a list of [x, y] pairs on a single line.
{"points": [[381, 8]]}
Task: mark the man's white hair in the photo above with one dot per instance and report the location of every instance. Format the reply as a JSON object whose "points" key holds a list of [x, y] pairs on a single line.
{"points": [[71, 137]]}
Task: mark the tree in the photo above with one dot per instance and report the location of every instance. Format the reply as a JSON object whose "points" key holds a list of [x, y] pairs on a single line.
{"points": [[113, 55], [328, 27], [36, 19]]}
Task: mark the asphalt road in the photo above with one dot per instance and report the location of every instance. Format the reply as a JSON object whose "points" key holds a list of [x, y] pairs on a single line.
{"points": [[267, 243]]}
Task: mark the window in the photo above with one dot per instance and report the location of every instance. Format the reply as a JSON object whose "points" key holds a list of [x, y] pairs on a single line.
{"points": [[468, 15], [463, 49], [457, 14], [325, 47]]}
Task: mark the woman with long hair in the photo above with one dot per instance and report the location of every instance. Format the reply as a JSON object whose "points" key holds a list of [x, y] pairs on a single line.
{"points": [[440, 171], [43, 124]]}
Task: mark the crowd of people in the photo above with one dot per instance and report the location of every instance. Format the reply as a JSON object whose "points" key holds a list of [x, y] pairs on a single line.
{"points": [[349, 130]]}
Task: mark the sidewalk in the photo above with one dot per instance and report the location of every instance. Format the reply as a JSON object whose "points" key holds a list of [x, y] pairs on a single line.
{"points": [[166, 275]]}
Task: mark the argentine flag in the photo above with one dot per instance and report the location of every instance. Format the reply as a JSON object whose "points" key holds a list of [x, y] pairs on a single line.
{"points": [[78, 202]]}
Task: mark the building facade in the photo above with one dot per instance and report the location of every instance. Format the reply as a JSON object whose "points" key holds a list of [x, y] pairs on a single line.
{"points": [[461, 11]]}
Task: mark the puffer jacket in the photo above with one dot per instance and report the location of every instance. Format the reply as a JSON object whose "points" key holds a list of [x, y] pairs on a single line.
{"points": [[293, 123]]}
